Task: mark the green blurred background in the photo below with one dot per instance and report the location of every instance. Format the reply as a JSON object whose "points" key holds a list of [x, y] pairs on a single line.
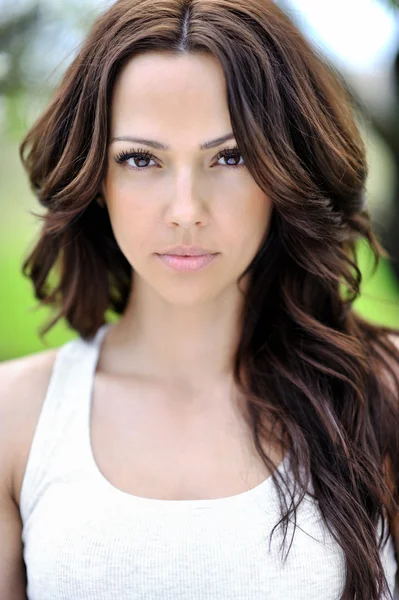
{"points": [[38, 41]]}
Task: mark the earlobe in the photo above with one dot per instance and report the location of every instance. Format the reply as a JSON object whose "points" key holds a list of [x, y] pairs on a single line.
{"points": [[100, 200]]}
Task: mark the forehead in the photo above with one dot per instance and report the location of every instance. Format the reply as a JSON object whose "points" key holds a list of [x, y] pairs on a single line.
{"points": [[165, 93]]}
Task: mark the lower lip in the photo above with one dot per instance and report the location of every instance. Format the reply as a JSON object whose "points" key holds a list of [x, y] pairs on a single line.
{"points": [[187, 263]]}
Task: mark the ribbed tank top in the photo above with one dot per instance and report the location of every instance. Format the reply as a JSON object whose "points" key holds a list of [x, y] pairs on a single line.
{"points": [[84, 539]]}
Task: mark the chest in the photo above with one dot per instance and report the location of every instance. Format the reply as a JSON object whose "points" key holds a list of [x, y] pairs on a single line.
{"points": [[84, 545], [148, 444]]}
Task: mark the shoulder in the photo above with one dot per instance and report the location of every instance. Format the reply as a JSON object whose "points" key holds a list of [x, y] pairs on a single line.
{"points": [[35, 366], [23, 385]]}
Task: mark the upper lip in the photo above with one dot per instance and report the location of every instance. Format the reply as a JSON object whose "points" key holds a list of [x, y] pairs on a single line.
{"points": [[188, 251]]}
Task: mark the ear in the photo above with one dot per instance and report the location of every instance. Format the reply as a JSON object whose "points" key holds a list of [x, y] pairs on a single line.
{"points": [[100, 198]]}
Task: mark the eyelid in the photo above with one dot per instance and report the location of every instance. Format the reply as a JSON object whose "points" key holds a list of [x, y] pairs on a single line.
{"points": [[234, 150]]}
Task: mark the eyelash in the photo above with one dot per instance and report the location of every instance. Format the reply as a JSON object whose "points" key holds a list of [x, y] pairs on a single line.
{"points": [[141, 154]]}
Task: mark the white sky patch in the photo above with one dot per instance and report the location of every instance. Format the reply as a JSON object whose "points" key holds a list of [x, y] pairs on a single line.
{"points": [[360, 34]]}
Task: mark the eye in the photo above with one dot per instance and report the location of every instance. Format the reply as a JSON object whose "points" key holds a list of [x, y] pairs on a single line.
{"points": [[138, 155], [141, 155], [228, 153]]}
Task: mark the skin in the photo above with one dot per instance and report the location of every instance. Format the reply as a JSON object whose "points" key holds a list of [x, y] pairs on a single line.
{"points": [[180, 329]]}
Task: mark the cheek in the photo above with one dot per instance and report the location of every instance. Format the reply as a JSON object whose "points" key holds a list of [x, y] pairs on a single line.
{"points": [[131, 220], [264, 212], [251, 219]]}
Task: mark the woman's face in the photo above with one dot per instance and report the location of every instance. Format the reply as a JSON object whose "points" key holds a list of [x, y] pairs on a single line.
{"points": [[181, 194]]}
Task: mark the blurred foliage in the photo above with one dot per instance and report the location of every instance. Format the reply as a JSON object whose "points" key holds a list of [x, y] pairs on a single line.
{"points": [[16, 34]]}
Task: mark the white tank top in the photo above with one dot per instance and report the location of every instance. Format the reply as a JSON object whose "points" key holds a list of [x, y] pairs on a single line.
{"points": [[84, 539]]}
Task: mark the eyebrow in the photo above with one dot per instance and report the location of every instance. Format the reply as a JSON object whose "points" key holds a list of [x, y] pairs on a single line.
{"points": [[160, 146]]}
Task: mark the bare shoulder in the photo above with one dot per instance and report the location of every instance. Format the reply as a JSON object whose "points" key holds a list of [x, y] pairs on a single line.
{"points": [[35, 366], [23, 385]]}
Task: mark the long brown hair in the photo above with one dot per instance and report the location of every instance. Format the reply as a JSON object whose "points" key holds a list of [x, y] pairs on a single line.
{"points": [[314, 368]]}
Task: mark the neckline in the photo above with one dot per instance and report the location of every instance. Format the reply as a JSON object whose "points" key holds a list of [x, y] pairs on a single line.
{"points": [[237, 500]]}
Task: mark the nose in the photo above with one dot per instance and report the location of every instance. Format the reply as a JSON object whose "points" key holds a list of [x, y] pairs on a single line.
{"points": [[187, 206]]}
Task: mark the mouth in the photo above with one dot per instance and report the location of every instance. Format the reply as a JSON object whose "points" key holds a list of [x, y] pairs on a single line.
{"points": [[187, 263]]}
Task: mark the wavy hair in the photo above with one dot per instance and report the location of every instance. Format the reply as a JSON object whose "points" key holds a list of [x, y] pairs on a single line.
{"points": [[325, 378]]}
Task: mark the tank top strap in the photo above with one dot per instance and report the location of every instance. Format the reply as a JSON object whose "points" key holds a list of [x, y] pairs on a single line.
{"points": [[68, 393]]}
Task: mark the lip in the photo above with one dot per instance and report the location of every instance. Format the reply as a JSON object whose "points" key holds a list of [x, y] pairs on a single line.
{"points": [[186, 251], [187, 263]]}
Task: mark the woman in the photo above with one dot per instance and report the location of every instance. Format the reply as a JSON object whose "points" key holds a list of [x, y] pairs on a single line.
{"points": [[234, 434]]}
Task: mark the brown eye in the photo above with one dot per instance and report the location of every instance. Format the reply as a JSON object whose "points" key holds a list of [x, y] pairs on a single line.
{"points": [[231, 154], [137, 155]]}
